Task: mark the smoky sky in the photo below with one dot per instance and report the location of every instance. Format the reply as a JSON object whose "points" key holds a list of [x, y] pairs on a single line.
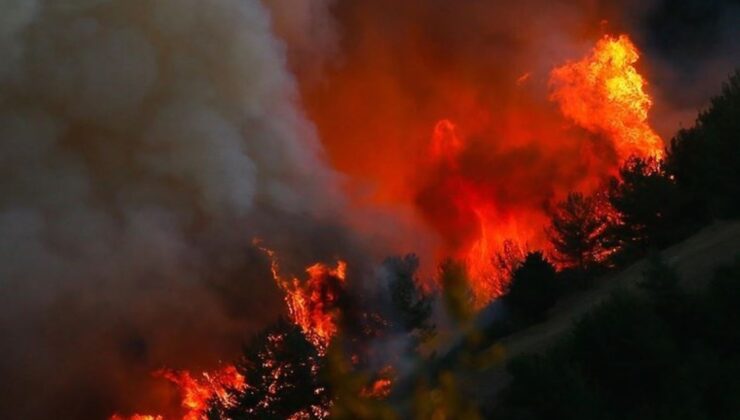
{"points": [[691, 47], [687, 32]]}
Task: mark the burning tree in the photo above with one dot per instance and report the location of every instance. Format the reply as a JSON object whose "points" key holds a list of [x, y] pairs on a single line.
{"points": [[578, 229], [284, 370]]}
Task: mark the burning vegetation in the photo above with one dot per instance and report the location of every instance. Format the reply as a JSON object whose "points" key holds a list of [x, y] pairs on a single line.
{"points": [[313, 303], [516, 154], [603, 93], [198, 394]]}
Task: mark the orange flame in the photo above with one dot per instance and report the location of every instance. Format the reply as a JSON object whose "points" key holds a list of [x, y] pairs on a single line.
{"points": [[381, 387], [197, 393], [604, 93], [494, 229], [312, 303]]}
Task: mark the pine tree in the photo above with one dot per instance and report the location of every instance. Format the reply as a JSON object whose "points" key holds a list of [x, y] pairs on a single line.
{"points": [[283, 371], [578, 228], [532, 290]]}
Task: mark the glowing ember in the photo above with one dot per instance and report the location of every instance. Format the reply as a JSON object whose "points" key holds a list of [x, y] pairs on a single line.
{"points": [[313, 303], [381, 388], [197, 393], [604, 93]]}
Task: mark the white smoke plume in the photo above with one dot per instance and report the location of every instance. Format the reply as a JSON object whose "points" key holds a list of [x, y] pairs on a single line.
{"points": [[142, 145]]}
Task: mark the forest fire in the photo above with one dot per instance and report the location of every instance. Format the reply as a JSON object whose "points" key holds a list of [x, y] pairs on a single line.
{"points": [[471, 203], [430, 177], [488, 218], [197, 393], [604, 93], [312, 303]]}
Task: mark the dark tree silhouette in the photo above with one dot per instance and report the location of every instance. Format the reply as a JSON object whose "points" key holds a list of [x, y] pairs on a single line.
{"points": [[411, 306], [532, 290], [283, 372], [664, 354], [458, 296], [577, 230], [705, 160], [649, 206]]}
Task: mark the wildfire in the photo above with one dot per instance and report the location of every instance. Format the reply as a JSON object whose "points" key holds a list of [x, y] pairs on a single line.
{"points": [[604, 93], [313, 303], [495, 233], [197, 393]]}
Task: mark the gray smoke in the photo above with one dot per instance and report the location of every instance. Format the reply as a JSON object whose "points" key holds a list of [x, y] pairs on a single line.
{"points": [[142, 146]]}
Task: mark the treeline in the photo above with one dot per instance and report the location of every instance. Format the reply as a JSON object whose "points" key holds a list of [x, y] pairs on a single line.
{"points": [[661, 354], [664, 354]]}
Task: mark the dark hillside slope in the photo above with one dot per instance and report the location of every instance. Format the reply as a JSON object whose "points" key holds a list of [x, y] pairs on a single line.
{"points": [[694, 260]]}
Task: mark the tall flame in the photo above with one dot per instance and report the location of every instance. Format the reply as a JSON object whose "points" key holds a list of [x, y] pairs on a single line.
{"points": [[312, 303], [604, 93]]}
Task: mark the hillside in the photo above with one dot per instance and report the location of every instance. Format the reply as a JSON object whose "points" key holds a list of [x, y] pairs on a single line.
{"points": [[694, 260]]}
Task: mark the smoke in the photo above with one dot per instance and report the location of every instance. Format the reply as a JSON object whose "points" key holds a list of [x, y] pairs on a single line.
{"points": [[143, 146], [311, 33], [690, 48]]}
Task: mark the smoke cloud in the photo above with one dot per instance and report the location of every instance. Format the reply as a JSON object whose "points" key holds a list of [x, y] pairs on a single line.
{"points": [[142, 146]]}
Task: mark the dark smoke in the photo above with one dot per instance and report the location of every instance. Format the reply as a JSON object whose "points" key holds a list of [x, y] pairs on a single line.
{"points": [[143, 146], [691, 47]]}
